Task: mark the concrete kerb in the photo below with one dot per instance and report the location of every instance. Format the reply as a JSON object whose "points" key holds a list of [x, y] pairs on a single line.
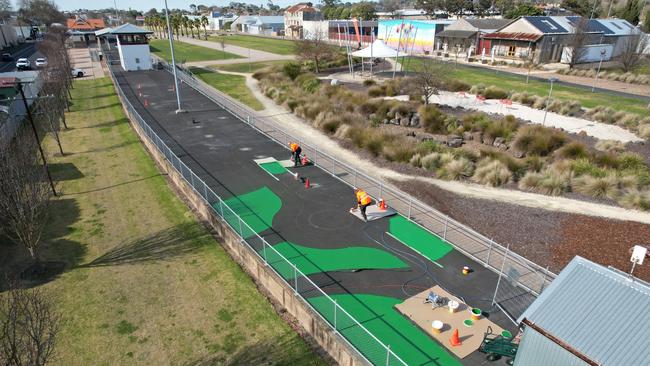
{"points": [[279, 290]]}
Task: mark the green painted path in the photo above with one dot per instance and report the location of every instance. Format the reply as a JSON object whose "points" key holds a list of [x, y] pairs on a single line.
{"points": [[256, 208], [412, 345], [274, 168], [313, 260], [418, 239]]}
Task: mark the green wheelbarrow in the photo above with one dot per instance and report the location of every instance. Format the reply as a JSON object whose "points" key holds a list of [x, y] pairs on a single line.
{"points": [[496, 346]]}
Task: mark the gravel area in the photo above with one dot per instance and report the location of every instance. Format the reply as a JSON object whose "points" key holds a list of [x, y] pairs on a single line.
{"points": [[545, 237]]}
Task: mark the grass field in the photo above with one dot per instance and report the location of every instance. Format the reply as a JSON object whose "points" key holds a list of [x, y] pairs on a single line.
{"points": [[144, 283], [272, 45], [233, 85], [475, 75], [186, 52], [246, 67]]}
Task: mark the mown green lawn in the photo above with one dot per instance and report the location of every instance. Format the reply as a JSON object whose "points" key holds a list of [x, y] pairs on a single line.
{"points": [[272, 45], [144, 283], [186, 52], [246, 67], [475, 75], [233, 85]]}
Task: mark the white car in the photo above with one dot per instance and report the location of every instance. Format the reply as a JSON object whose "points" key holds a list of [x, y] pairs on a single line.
{"points": [[23, 64], [77, 73], [41, 62]]}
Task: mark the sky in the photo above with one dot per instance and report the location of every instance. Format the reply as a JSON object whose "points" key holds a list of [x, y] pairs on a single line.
{"points": [[158, 4]]}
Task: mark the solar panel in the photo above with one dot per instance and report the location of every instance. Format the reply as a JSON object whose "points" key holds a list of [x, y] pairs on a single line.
{"points": [[546, 24]]}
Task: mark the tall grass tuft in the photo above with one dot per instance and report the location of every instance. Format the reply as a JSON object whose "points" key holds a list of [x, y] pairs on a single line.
{"points": [[597, 187], [492, 172]]}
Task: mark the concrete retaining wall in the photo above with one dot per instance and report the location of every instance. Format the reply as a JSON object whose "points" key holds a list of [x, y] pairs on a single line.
{"points": [[277, 291]]}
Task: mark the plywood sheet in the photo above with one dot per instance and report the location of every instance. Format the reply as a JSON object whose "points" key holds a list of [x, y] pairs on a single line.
{"points": [[373, 213]]}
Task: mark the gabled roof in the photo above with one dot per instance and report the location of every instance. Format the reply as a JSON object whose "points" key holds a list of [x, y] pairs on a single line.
{"points": [[305, 8], [269, 19], [599, 312], [101, 32], [618, 27], [528, 37], [85, 24], [129, 28], [488, 24]]}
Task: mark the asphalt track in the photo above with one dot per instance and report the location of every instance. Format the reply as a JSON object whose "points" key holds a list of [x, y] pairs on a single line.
{"points": [[221, 150]]}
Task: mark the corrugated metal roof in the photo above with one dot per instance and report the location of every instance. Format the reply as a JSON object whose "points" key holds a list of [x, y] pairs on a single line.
{"points": [[528, 37], [129, 29], [488, 23], [537, 350], [457, 34], [599, 312]]}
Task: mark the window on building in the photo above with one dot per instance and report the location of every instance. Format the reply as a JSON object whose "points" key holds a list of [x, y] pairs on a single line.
{"points": [[137, 60], [511, 50]]}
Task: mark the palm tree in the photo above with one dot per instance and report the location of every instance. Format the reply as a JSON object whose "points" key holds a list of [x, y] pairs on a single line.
{"points": [[197, 25], [190, 25], [205, 22], [185, 21], [176, 24]]}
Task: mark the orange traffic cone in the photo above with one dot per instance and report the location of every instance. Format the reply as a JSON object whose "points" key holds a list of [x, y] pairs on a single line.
{"points": [[382, 204], [146, 103], [304, 160], [455, 339], [307, 183]]}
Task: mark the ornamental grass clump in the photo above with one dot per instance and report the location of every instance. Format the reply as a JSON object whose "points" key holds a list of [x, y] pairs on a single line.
{"points": [[492, 173]]}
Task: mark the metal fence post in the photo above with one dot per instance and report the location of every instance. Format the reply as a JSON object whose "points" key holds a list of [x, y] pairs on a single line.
{"points": [[505, 256], [444, 235], [266, 262], [355, 178], [221, 208], [248, 119], [487, 263], [295, 278], [335, 306], [205, 192], [241, 232], [541, 288], [410, 204], [381, 189]]}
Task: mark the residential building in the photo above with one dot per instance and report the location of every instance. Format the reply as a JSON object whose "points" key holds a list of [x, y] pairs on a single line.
{"points": [[295, 16], [464, 35], [82, 29], [241, 23], [544, 39], [267, 25], [412, 14], [412, 36], [589, 315]]}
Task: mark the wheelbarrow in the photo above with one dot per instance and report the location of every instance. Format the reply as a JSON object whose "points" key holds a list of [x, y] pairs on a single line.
{"points": [[496, 346]]}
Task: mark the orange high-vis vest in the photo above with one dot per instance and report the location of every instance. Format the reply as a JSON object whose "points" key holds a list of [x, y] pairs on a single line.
{"points": [[363, 198], [293, 146]]}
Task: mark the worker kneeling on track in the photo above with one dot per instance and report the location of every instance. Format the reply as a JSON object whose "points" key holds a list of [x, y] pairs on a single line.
{"points": [[296, 150], [363, 201]]}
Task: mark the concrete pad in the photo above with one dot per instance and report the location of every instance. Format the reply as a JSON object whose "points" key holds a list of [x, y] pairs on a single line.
{"points": [[423, 314], [373, 212]]}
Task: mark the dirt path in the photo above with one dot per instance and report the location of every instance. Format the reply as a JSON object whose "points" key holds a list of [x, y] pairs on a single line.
{"points": [[303, 130]]}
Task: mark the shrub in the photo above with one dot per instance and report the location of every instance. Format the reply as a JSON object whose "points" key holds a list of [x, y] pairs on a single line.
{"points": [[534, 163], [455, 85], [572, 150], [635, 199], [597, 187], [435, 160], [631, 162], [538, 140], [369, 82], [501, 128], [311, 85], [376, 91], [539, 102], [551, 182], [492, 172], [425, 147], [492, 92], [586, 167], [516, 167], [644, 131], [610, 146], [475, 122], [398, 151], [456, 169], [477, 89], [292, 70], [432, 119]]}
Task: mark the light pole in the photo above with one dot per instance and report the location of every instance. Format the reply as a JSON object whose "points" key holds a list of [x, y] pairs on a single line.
{"points": [[548, 101], [171, 47], [602, 54]]}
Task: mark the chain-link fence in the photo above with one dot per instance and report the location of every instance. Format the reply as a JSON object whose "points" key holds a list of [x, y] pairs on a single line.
{"points": [[369, 347], [520, 280]]}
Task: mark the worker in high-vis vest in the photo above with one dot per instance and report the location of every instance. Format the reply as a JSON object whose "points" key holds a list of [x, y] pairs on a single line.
{"points": [[295, 153], [363, 201]]}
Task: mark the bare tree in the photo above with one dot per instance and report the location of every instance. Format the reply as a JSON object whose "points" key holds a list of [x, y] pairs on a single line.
{"points": [[24, 193], [429, 78], [315, 48], [579, 39], [632, 51], [29, 326]]}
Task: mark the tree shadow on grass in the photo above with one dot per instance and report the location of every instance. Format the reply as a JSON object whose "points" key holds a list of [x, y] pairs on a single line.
{"points": [[64, 171], [57, 253], [283, 350], [166, 244]]}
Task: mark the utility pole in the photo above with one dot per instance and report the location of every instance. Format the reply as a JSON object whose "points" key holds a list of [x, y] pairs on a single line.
{"points": [[19, 85], [171, 47]]}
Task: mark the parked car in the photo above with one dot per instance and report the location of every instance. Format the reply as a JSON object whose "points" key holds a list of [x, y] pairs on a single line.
{"points": [[77, 73], [41, 62], [7, 57], [23, 64]]}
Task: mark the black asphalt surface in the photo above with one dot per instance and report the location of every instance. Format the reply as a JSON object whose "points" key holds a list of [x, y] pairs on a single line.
{"points": [[220, 149], [27, 50]]}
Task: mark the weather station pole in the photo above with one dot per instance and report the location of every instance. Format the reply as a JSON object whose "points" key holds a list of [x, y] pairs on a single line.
{"points": [[548, 101], [171, 47]]}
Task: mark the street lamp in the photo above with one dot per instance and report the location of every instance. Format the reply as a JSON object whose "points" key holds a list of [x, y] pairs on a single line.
{"points": [[602, 54], [548, 101], [171, 47]]}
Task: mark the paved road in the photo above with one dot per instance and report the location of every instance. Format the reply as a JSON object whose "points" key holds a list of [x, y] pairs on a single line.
{"points": [[28, 50]]}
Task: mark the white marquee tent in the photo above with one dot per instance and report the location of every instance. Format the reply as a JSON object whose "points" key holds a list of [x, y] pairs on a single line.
{"points": [[377, 49]]}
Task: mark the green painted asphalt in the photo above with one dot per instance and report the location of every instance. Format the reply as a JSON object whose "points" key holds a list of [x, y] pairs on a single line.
{"points": [[418, 239]]}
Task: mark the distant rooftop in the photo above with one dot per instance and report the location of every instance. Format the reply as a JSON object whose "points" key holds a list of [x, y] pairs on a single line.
{"points": [[130, 29]]}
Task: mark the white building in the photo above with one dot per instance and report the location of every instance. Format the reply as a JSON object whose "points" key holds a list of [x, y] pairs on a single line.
{"points": [[218, 21], [133, 47]]}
